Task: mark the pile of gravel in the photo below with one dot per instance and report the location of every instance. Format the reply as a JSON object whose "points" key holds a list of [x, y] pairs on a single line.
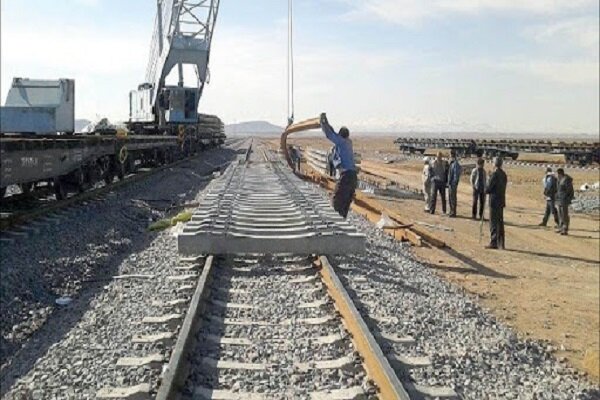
{"points": [[587, 202], [470, 350], [77, 257]]}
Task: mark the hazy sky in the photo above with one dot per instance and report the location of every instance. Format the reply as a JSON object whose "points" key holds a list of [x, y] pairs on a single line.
{"points": [[490, 65]]}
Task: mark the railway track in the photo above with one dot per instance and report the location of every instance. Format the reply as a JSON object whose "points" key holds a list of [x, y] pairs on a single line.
{"points": [[276, 327], [264, 326], [14, 214]]}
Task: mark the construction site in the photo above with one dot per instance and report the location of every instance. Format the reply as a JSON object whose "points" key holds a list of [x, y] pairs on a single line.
{"points": [[179, 253]]}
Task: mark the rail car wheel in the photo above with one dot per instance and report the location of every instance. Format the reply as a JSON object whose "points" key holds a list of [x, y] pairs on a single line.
{"points": [[26, 188], [80, 179], [107, 169], [60, 190], [121, 170], [130, 166], [109, 175]]}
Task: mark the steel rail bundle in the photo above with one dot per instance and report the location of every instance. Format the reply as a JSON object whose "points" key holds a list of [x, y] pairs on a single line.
{"points": [[575, 152]]}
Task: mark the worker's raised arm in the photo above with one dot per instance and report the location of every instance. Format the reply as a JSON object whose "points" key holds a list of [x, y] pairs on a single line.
{"points": [[328, 130]]}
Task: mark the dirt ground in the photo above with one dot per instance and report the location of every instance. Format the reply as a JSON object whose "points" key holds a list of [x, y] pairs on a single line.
{"points": [[544, 285]]}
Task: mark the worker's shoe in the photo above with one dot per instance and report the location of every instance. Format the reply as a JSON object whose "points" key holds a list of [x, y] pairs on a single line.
{"points": [[491, 247], [541, 224], [564, 233]]}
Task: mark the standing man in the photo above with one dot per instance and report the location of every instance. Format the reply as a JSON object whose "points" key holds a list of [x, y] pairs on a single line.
{"points": [[550, 189], [564, 196], [438, 183], [453, 179], [496, 189], [295, 156], [426, 179], [344, 161], [478, 180]]}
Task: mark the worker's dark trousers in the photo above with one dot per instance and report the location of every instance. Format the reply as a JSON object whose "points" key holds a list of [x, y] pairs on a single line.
{"points": [[344, 192], [436, 187], [563, 215], [497, 226], [551, 209], [452, 192], [478, 199]]}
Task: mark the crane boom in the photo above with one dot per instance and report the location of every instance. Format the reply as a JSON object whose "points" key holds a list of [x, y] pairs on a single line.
{"points": [[183, 31]]}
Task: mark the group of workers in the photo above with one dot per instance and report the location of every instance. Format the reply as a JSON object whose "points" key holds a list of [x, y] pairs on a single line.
{"points": [[559, 193], [439, 175]]}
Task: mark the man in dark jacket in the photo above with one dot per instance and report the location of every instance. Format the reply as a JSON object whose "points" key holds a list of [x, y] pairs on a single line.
{"points": [[454, 172], [478, 179], [564, 196], [496, 189], [438, 183], [550, 188]]}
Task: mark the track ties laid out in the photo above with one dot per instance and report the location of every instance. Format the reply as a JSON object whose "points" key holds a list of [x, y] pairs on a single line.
{"points": [[263, 208]]}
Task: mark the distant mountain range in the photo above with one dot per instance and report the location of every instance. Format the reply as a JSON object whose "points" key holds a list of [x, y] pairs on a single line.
{"points": [[262, 128]]}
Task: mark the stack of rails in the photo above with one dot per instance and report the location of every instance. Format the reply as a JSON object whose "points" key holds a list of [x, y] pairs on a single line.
{"points": [[581, 152], [82, 160]]}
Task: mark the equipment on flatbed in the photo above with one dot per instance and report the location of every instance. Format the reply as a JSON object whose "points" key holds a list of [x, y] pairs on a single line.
{"points": [[577, 151], [41, 107], [164, 120], [182, 35]]}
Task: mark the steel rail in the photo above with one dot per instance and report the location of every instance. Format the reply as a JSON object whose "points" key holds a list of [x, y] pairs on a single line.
{"points": [[306, 125], [376, 364], [175, 372]]}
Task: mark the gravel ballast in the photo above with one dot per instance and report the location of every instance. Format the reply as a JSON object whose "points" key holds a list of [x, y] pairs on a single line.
{"points": [[58, 351], [265, 308], [470, 351]]}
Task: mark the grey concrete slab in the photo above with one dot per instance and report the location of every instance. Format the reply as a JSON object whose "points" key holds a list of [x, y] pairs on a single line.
{"points": [[264, 209]]}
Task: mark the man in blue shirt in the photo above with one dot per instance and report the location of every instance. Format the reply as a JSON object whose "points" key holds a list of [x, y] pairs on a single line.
{"points": [[344, 161]]}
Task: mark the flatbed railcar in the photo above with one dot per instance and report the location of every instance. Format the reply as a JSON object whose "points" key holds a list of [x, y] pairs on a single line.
{"points": [[68, 162], [575, 152]]}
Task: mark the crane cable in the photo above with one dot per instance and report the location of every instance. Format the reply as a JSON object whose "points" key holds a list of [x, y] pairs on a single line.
{"points": [[290, 64]]}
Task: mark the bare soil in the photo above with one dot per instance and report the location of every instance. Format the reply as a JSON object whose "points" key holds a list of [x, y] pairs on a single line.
{"points": [[544, 285]]}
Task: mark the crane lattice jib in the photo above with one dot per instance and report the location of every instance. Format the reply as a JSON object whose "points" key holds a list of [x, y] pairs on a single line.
{"points": [[182, 35]]}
